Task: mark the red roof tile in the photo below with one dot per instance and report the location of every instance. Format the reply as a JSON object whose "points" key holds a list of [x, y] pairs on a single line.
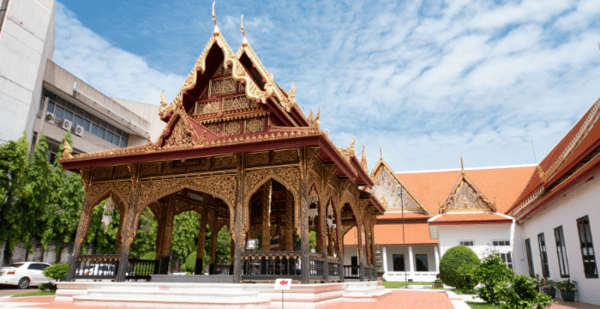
{"points": [[470, 218], [500, 184], [567, 153], [391, 234]]}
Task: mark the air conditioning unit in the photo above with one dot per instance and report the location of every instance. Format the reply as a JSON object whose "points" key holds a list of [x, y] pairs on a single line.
{"points": [[66, 124], [50, 117], [78, 130]]}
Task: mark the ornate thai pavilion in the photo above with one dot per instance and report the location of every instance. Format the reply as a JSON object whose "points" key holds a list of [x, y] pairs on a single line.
{"points": [[238, 150]]}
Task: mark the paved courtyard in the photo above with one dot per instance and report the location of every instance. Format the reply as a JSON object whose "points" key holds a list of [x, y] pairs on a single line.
{"points": [[396, 300]]}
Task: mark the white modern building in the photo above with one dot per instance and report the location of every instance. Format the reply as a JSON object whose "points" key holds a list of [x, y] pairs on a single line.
{"points": [[39, 97]]}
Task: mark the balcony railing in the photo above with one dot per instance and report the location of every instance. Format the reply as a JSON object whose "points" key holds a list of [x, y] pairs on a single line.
{"points": [[141, 269], [220, 269], [271, 265], [105, 266], [97, 266], [351, 272]]}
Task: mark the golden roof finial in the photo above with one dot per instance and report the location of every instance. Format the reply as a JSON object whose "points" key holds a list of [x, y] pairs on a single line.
{"points": [[462, 165], [244, 41], [351, 147], [293, 90], [318, 114], [380, 153], [216, 29], [363, 159], [67, 150]]}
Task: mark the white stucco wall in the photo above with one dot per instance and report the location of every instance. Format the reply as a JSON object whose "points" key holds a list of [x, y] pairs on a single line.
{"points": [[582, 201], [482, 236], [26, 42]]}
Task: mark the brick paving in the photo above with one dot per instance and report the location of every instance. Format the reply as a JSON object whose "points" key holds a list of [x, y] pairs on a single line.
{"points": [[564, 305], [401, 300]]}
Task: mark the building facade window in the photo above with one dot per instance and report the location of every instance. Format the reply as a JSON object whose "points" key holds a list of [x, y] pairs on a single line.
{"points": [[501, 243], [468, 243], [588, 255], [398, 262], [561, 251], [90, 122], [529, 257], [3, 9], [53, 149], [507, 259], [543, 255], [422, 264]]}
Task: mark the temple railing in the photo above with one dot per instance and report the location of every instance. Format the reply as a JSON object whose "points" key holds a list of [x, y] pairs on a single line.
{"points": [[271, 265], [105, 266], [97, 266], [220, 269], [351, 272], [334, 268], [141, 269], [316, 266]]}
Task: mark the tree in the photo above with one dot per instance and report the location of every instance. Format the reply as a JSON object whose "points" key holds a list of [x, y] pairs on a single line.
{"points": [[495, 278], [14, 190], [64, 203], [452, 260]]}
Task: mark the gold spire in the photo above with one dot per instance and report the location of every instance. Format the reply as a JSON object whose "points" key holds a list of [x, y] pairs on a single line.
{"points": [[293, 90], [380, 153], [67, 150], [244, 41], [351, 147], [216, 29], [462, 165], [363, 159]]}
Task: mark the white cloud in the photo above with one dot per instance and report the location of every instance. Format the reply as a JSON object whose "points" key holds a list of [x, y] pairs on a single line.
{"points": [[426, 80], [110, 69]]}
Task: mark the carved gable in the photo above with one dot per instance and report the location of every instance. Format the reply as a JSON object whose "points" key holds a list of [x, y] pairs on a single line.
{"points": [[387, 190], [183, 131], [465, 197]]}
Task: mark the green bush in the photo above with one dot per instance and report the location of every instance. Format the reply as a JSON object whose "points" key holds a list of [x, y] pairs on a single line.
{"points": [[452, 260], [47, 287], [148, 256], [466, 278], [523, 293], [190, 263], [57, 271], [494, 277]]}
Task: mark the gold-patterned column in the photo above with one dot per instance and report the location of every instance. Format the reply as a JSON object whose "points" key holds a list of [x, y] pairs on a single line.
{"points": [[131, 221], [83, 224], [266, 218], [165, 248], [289, 222]]}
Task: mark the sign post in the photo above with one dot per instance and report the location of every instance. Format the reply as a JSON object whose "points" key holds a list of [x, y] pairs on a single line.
{"points": [[282, 284]]}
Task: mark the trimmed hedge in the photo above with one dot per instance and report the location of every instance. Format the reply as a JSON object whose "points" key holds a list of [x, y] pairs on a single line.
{"points": [[452, 260]]}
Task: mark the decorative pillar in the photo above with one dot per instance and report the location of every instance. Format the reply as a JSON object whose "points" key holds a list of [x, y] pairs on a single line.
{"points": [[83, 224], [131, 222], [330, 241], [201, 241], [266, 218], [120, 233], [289, 222], [411, 260], [160, 232], [385, 261], [167, 237], [436, 253], [303, 217], [361, 254], [239, 225]]}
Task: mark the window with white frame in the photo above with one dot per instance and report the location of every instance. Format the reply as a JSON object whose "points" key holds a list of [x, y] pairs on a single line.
{"points": [[501, 243], [468, 243], [507, 259]]}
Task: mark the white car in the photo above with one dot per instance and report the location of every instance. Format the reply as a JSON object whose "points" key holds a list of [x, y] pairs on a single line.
{"points": [[24, 274]]}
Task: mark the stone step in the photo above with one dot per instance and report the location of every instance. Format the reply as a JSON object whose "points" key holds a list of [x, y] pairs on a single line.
{"points": [[152, 293], [170, 302]]}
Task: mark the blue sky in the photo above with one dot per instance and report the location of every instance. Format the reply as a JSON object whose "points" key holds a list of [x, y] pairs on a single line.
{"points": [[425, 80]]}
